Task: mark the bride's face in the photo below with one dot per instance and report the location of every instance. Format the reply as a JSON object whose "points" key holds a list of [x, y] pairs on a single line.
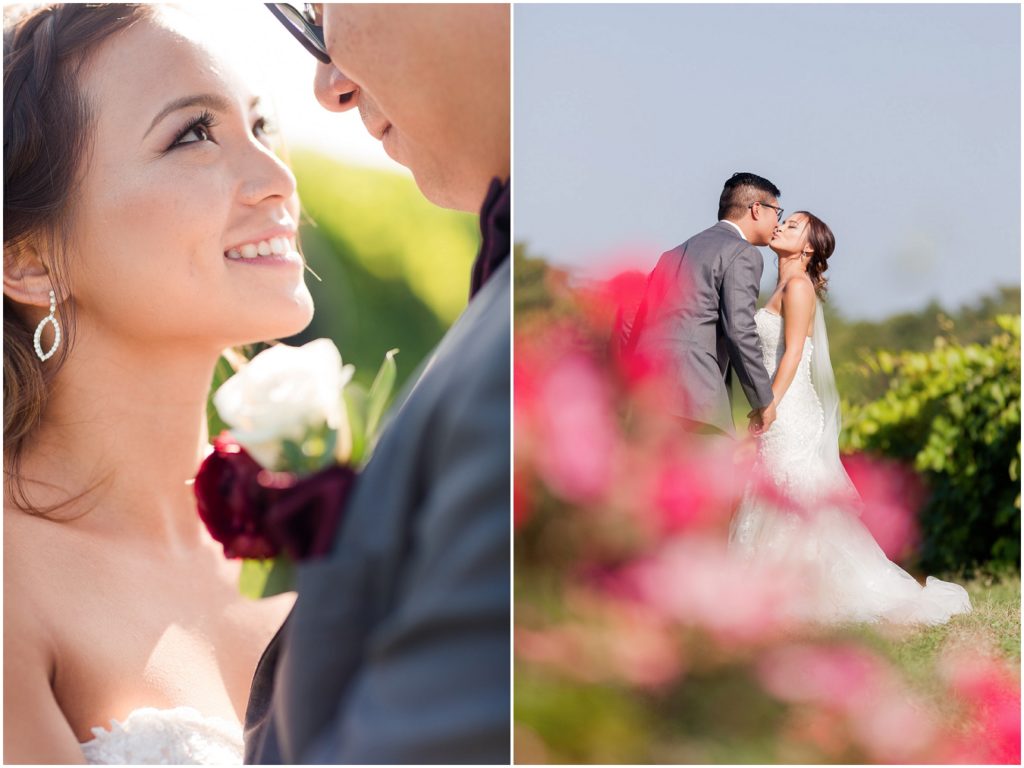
{"points": [[791, 236], [180, 179]]}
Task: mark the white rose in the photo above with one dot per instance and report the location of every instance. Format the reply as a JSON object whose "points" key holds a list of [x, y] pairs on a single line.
{"points": [[281, 394]]}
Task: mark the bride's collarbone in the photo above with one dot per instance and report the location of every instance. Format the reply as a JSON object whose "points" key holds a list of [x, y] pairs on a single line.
{"points": [[777, 307], [130, 630]]}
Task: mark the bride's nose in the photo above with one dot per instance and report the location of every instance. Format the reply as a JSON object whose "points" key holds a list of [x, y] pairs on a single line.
{"points": [[333, 89]]}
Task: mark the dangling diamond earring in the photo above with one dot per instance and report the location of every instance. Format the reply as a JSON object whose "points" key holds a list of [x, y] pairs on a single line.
{"points": [[52, 319]]}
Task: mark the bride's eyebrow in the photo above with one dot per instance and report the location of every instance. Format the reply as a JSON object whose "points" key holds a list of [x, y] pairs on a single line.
{"points": [[208, 100]]}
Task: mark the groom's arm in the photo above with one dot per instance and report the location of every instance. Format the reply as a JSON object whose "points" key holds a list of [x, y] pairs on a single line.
{"points": [[740, 284], [434, 686]]}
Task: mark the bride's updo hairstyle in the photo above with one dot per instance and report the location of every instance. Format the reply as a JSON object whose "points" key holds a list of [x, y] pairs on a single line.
{"points": [[821, 239], [47, 127]]}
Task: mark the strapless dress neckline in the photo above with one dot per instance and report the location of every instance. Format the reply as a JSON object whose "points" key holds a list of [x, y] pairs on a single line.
{"points": [[177, 736]]}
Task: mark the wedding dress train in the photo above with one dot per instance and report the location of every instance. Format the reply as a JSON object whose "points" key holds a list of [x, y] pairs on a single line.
{"points": [[179, 736], [846, 574]]}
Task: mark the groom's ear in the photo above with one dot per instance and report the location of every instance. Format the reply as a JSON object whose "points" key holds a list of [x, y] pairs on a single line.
{"points": [[26, 277]]}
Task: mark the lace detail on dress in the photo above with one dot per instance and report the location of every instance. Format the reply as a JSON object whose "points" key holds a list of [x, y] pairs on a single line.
{"points": [[180, 736], [788, 450], [848, 576]]}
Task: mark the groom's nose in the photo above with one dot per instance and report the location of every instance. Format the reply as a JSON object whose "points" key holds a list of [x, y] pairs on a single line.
{"points": [[333, 89]]}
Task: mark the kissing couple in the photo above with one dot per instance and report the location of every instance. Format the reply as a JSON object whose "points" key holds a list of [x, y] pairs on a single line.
{"points": [[149, 224], [699, 321]]}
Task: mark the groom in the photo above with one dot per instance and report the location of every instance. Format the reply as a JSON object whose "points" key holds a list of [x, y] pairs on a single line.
{"points": [[398, 649], [697, 317]]}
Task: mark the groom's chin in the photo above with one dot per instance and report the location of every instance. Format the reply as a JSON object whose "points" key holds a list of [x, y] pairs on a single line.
{"points": [[445, 188]]}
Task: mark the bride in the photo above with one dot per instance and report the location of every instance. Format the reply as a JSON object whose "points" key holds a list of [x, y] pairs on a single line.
{"points": [[139, 179], [848, 576]]}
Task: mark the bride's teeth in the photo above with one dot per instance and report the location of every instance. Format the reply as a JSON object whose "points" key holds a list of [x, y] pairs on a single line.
{"points": [[234, 253], [263, 248], [279, 246], [249, 251]]}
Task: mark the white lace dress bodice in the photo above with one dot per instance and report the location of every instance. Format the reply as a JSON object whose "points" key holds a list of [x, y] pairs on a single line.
{"points": [[848, 576], [179, 736], [788, 449]]}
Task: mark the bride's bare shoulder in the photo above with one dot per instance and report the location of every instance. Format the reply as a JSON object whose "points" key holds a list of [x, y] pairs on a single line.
{"points": [[30, 647], [39, 558]]}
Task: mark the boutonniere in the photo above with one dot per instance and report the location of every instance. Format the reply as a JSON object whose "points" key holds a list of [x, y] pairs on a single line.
{"points": [[273, 489]]}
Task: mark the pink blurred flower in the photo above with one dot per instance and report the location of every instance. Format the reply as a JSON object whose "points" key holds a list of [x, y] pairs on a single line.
{"points": [[576, 449], [698, 489], [610, 643], [892, 494], [695, 581], [990, 691], [842, 677], [881, 716]]}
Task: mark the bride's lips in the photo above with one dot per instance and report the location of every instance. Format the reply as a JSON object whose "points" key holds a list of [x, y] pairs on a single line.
{"points": [[273, 246]]}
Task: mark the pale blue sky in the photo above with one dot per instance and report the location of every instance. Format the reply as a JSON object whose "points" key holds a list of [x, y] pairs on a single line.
{"points": [[899, 125]]}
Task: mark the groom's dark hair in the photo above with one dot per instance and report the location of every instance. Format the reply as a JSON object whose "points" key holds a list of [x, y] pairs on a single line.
{"points": [[743, 190]]}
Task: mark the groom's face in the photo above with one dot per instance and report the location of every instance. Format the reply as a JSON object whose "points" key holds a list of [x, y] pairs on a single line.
{"points": [[766, 220], [431, 83]]}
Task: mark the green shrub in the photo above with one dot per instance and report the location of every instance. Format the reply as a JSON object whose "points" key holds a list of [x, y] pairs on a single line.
{"points": [[954, 412]]}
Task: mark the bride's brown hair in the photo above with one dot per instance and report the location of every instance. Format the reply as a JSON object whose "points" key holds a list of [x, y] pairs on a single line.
{"points": [[47, 126], [821, 239]]}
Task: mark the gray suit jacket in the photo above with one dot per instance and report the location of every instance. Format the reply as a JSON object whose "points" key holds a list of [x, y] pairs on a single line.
{"points": [[697, 318], [397, 649]]}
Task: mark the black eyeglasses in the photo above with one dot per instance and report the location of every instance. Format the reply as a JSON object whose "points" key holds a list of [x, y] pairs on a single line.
{"points": [[778, 211], [302, 24]]}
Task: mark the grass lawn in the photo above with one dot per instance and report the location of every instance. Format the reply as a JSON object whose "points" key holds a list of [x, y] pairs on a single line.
{"points": [[992, 627]]}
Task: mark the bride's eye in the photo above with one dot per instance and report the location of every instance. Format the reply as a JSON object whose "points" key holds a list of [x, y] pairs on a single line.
{"points": [[198, 129]]}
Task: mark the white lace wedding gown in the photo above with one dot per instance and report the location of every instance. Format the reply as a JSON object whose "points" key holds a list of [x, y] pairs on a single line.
{"points": [[179, 736], [847, 575]]}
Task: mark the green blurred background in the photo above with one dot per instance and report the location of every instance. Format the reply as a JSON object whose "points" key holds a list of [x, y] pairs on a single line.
{"points": [[394, 267]]}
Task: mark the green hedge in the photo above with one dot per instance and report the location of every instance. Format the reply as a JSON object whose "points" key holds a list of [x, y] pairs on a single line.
{"points": [[954, 412]]}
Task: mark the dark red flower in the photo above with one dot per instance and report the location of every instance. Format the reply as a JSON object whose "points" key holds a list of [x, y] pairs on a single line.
{"points": [[232, 502], [303, 519], [259, 514]]}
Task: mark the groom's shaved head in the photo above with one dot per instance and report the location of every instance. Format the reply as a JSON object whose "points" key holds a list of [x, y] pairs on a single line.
{"points": [[743, 190]]}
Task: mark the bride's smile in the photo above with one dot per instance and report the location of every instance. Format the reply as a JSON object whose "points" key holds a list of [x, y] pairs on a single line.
{"points": [[275, 247], [202, 180]]}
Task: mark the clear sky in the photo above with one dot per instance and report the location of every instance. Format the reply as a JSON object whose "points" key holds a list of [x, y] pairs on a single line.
{"points": [[899, 125]]}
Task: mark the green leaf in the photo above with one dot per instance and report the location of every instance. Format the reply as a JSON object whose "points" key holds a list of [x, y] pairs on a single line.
{"points": [[356, 398], [294, 459], [329, 442], [380, 393], [222, 371], [266, 578]]}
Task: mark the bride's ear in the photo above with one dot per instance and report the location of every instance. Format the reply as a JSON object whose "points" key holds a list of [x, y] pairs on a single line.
{"points": [[26, 278]]}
